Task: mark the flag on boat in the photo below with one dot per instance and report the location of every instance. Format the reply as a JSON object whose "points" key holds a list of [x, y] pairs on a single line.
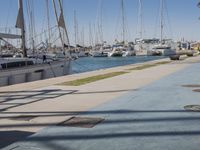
{"points": [[61, 22], [198, 5]]}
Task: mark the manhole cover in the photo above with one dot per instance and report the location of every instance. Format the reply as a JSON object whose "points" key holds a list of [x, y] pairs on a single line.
{"points": [[196, 90], [192, 108], [192, 85], [23, 118], [83, 122]]}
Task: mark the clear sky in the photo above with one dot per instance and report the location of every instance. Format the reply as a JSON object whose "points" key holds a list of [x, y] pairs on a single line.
{"points": [[181, 17]]}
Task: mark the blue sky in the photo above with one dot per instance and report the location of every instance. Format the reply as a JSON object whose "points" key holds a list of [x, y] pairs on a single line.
{"points": [[181, 21]]}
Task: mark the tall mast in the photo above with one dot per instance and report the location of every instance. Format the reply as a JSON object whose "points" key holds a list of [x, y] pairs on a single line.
{"points": [[32, 30], [95, 34], [20, 24], [99, 26], [0, 47], [161, 19], [57, 19], [140, 18], [75, 28], [101, 21], [64, 26], [32, 23], [83, 36], [48, 22], [123, 21], [90, 35]]}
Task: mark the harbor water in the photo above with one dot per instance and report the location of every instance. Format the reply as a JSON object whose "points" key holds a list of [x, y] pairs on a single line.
{"points": [[86, 64]]}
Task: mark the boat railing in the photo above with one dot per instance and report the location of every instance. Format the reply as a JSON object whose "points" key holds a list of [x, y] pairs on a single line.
{"points": [[8, 66]]}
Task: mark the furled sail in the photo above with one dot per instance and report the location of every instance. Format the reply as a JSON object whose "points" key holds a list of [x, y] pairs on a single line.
{"points": [[61, 22], [19, 22]]}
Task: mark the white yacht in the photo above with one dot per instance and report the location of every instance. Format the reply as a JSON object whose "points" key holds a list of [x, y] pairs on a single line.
{"points": [[26, 69], [164, 47], [140, 48], [20, 70], [100, 50], [129, 51], [145, 47], [164, 50]]}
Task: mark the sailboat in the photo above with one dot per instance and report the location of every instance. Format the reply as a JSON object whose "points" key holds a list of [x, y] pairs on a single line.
{"points": [[120, 48], [27, 69], [100, 49], [140, 45], [163, 48]]}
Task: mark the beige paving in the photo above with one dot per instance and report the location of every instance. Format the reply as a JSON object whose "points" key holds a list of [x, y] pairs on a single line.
{"points": [[62, 102]]}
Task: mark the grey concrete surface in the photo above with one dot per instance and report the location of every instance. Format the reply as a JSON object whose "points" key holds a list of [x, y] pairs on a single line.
{"points": [[151, 118]]}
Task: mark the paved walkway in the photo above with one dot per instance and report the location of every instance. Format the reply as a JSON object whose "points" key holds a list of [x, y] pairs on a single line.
{"points": [[54, 104], [150, 118]]}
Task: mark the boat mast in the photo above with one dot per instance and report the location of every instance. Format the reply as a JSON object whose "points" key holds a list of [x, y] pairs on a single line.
{"points": [[101, 21], [64, 26], [0, 47], [48, 23], [20, 24], [141, 18], [90, 35], [75, 28], [161, 20], [99, 26], [83, 36], [32, 23], [57, 19], [123, 20]]}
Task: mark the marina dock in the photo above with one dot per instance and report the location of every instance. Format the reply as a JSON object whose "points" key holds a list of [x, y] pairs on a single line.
{"points": [[142, 109]]}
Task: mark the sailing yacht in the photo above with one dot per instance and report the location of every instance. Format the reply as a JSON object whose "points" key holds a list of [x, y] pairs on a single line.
{"points": [[121, 48], [100, 50], [164, 48], [140, 47], [117, 50], [27, 69]]}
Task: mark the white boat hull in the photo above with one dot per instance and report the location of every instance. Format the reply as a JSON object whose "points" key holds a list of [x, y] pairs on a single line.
{"points": [[141, 53], [98, 54], [167, 52], [34, 73]]}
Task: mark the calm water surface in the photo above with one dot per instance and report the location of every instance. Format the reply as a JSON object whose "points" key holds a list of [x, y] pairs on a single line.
{"points": [[91, 63]]}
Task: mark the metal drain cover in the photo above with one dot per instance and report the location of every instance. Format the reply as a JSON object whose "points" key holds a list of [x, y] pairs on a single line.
{"points": [[82, 122], [23, 118], [195, 108], [196, 90], [192, 85]]}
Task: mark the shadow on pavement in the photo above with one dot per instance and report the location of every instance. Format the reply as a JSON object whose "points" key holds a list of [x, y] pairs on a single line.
{"points": [[9, 137]]}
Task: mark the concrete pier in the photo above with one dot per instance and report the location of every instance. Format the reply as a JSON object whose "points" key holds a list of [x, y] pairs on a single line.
{"points": [[142, 110]]}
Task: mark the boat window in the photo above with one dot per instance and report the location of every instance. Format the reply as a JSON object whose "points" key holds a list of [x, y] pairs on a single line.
{"points": [[16, 64]]}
